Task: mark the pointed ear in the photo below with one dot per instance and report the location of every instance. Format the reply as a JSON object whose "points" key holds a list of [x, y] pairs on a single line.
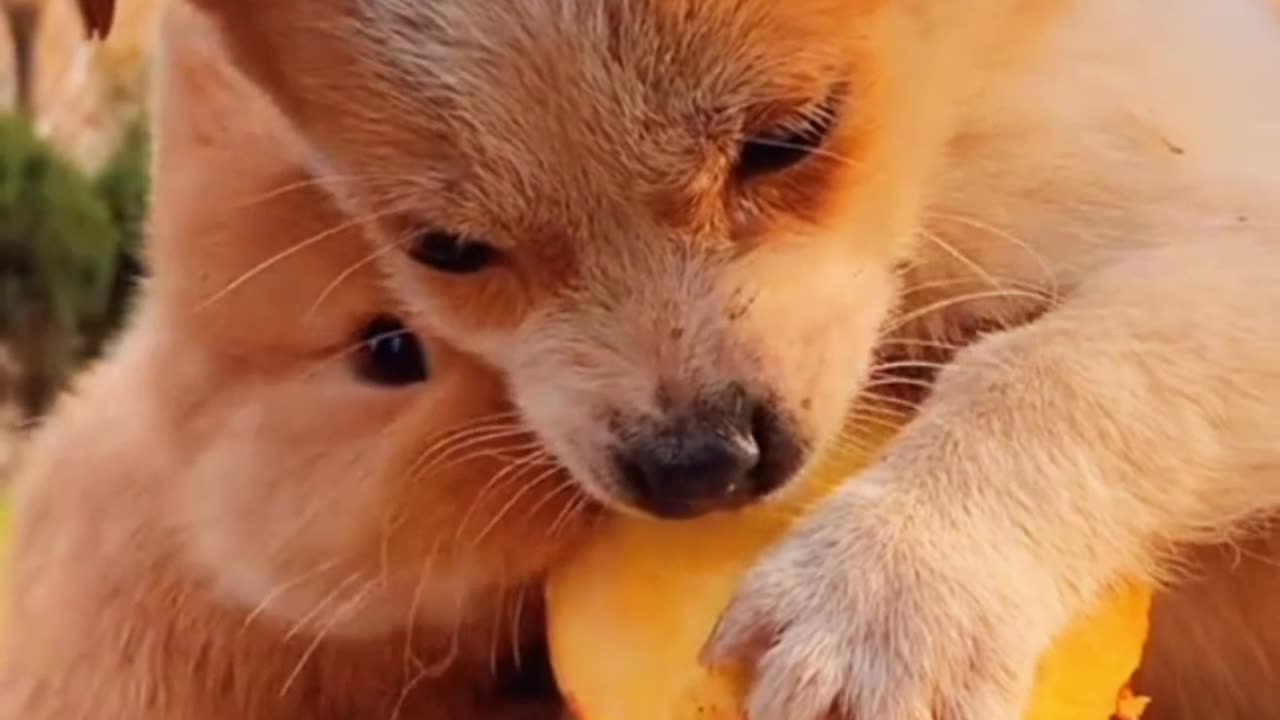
{"points": [[98, 16]]}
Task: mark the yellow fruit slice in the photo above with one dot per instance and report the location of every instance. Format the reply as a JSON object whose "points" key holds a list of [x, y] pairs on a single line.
{"points": [[628, 615]]}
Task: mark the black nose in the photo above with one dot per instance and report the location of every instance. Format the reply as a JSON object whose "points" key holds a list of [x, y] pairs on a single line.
{"points": [[708, 461]]}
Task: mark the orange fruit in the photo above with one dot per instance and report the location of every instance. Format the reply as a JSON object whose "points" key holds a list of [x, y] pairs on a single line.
{"points": [[628, 615]]}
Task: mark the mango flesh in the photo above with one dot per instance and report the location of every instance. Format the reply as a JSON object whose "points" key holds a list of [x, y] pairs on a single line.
{"points": [[628, 615]]}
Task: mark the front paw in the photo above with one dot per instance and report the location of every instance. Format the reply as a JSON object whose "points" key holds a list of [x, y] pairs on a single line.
{"points": [[870, 611]]}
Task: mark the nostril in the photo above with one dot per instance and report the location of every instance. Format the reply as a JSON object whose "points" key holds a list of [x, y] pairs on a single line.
{"points": [[745, 448], [781, 453], [739, 407], [762, 428], [681, 474]]}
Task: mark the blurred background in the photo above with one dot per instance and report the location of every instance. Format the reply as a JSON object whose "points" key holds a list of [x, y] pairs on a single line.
{"points": [[73, 189]]}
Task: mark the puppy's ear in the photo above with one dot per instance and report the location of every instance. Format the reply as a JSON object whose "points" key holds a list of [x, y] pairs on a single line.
{"points": [[98, 16]]}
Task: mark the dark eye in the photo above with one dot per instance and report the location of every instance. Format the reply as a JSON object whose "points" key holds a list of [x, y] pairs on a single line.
{"points": [[779, 149], [390, 354], [451, 253]]}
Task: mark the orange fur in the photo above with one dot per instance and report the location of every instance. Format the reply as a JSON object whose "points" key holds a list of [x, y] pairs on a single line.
{"points": [[1090, 218], [617, 199], [222, 521]]}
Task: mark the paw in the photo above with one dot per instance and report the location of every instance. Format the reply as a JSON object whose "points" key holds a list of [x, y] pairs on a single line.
{"points": [[870, 614]]}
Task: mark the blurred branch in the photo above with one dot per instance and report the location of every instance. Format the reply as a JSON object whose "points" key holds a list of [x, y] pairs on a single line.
{"points": [[23, 17]]}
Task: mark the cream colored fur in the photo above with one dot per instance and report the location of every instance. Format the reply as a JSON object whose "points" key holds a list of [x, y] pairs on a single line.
{"points": [[1094, 177], [1117, 164]]}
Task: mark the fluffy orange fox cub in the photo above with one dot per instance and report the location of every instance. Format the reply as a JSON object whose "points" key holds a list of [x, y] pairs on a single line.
{"points": [[273, 500], [690, 232]]}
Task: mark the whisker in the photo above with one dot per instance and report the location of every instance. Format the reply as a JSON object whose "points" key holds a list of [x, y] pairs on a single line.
{"points": [[495, 632], [281, 589], [517, 618], [321, 606], [348, 609], [907, 364], [433, 670], [313, 182], [855, 442], [484, 424], [343, 277], [415, 600], [893, 414], [1046, 270], [443, 460], [572, 508], [814, 151], [391, 525], [910, 382], [511, 502], [965, 260], [904, 320], [1005, 286], [491, 427], [567, 484], [875, 399], [513, 469], [880, 421], [392, 521], [919, 342], [283, 255], [499, 452]]}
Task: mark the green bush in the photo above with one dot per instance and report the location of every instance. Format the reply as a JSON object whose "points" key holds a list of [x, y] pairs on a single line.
{"points": [[64, 240], [123, 186]]}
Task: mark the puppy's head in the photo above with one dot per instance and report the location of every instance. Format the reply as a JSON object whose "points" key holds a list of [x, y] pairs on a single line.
{"points": [[671, 223], [337, 464]]}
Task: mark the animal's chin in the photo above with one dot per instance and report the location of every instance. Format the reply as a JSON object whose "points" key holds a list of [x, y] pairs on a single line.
{"points": [[607, 497], [604, 494], [618, 502]]}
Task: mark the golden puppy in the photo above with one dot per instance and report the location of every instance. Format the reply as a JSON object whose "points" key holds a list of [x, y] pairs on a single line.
{"points": [[690, 232], [279, 497]]}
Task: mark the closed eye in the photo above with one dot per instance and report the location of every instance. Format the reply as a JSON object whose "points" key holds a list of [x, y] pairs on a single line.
{"points": [[451, 253], [782, 147]]}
